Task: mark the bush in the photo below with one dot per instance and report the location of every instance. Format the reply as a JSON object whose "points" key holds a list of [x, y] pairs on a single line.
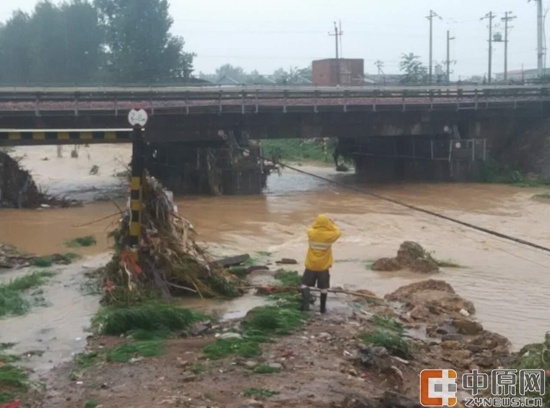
{"points": [[395, 344], [265, 369], [11, 300], [288, 278], [78, 242], [125, 352], [42, 262], [149, 317], [387, 323], [273, 319]]}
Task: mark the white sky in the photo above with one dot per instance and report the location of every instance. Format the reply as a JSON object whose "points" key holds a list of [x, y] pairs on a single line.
{"points": [[257, 34]]}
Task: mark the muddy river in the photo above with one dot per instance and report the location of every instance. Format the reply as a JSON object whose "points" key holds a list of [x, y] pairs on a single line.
{"points": [[508, 283]]}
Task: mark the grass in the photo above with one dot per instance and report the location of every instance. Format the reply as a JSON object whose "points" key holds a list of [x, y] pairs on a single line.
{"points": [[125, 352], [536, 357], [492, 172], [42, 262], [71, 256], [148, 335], [238, 271], [394, 343], [224, 348], [446, 263], [387, 323], [6, 397], [259, 393], [287, 278], [264, 253], [13, 377], [91, 404], [11, 299], [265, 369], [80, 242], [150, 317], [198, 368], [298, 150], [86, 360], [274, 320], [545, 196]]}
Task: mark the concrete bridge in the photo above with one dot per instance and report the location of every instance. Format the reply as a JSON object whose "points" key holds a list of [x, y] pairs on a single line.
{"points": [[193, 114], [424, 132]]}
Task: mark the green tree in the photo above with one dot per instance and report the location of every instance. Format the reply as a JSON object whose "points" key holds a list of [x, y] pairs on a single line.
{"points": [[415, 72], [15, 55], [236, 73], [140, 46], [54, 44]]}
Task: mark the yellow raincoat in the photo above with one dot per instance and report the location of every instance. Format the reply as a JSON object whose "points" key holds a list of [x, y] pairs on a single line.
{"points": [[322, 234]]}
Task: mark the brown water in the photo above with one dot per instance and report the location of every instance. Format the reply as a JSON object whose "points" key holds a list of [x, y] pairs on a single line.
{"points": [[508, 283]]}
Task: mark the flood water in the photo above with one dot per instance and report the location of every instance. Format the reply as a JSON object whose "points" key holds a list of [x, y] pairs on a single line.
{"points": [[508, 283]]}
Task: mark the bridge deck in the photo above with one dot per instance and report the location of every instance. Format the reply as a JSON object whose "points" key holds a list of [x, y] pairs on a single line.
{"points": [[192, 100]]}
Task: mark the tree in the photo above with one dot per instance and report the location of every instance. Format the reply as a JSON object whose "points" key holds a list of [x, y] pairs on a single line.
{"points": [[236, 73], [140, 47], [415, 72], [55, 44], [14, 49]]}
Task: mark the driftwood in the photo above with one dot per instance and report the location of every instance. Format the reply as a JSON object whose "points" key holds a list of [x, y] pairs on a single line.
{"points": [[276, 289], [234, 260]]}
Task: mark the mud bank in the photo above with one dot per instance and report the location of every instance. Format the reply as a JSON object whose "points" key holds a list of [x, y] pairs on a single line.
{"points": [[361, 354]]}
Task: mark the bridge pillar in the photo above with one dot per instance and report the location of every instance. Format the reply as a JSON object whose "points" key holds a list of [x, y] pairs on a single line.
{"points": [[223, 168]]}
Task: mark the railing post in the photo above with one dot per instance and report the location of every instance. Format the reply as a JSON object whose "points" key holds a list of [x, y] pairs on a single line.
{"points": [[285, 94], [220, 103], [256, 100], [315, 102], [473, 150], [432, 148], [243, 110], [484, 149]]}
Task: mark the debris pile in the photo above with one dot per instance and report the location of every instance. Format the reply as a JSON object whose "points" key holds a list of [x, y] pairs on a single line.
{"points": [[409, 256], [171, 263], [18, 189], [12, 258]]}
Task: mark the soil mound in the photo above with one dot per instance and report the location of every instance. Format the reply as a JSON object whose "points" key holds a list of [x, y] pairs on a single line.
{"points": [[411, 256]]}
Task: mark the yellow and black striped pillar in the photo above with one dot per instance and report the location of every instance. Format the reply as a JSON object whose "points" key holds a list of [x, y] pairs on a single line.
{"points": [[136, 194]]}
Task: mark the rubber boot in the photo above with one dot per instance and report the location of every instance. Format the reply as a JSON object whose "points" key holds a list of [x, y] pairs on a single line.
{"points": [[324, 302], [305, 299]]}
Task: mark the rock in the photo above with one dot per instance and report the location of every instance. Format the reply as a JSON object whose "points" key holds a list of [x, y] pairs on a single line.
{"points": [[464, 313], [250, 364], [404, 294], [253, 404], [490, 340], [451, 345], [409, 252], [189, 378], [420, 312], [386, 265], [287, 261], [256, 268], [461, 357], [198, 330], [324, 336], [276, 366], [466, 326], [226, 336], [451, 337], [424, 266], [394, 400]]}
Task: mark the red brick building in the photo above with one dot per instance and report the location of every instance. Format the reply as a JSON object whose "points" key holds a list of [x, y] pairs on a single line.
{"points": [[344, 72]]}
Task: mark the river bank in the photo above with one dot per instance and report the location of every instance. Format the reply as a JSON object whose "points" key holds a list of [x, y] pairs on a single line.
{"points": [[363, 353]]}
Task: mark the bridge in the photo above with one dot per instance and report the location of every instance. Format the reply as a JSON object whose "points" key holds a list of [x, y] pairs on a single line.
{"points": [[200, 114], [425, 132]]}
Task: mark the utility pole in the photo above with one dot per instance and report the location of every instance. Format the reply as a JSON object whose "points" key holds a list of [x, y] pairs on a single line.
{"points": [[431, 18], [540, 31], [507, 17], [336, 35], [490, 16], [449, 38]]}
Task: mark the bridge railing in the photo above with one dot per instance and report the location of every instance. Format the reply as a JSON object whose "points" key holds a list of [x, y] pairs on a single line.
{"points": [[264, 99]]}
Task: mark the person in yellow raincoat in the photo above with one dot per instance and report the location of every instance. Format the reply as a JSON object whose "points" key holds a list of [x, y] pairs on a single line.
{"points": [[322, 234]]}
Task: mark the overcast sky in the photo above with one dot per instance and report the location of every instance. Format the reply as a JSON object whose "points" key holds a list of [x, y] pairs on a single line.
{"points": [[266, 35]]}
